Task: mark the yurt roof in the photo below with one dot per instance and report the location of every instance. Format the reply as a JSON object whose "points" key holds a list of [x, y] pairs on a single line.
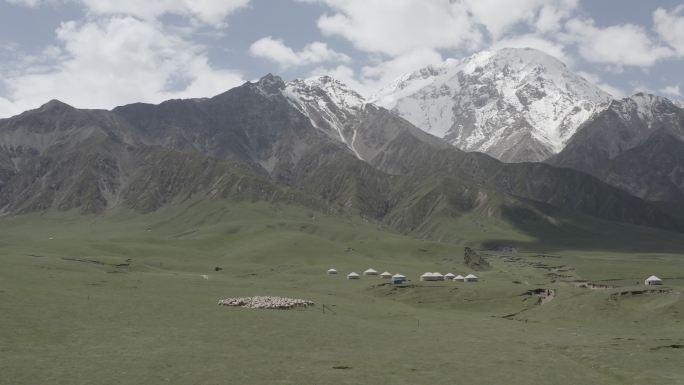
{"points": [[371, 270], [653, 278], [331, 270], [459, 277], [436, 274], [470, 276], [449, 275], [352, 274], [398, 276], [427, 274], [387, 273]]}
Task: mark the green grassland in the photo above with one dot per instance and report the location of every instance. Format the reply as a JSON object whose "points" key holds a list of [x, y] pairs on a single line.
{"points": [[120, 299]]}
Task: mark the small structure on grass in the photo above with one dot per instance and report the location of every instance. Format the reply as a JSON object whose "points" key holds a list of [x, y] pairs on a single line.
{"points": [[398, 279], [353, 275], [437, 276], [370, 271], [653, 280], [459, 278], [449, 276], [332, 272], [470, 278], [432, 276], [386, 274]]}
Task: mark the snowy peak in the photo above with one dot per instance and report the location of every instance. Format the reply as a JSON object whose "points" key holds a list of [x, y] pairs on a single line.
{"points": [[514, 104], [647, 108], [330, 105]]}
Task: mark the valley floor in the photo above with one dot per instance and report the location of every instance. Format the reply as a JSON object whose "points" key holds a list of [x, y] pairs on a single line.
{"points": [[122, 300]]}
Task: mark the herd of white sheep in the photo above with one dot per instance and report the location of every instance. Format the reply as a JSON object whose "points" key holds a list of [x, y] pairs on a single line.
{"points": [[264, 302]]}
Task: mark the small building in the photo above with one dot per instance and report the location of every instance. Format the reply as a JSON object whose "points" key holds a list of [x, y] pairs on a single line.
{"points": [[353, 275], [653, 280], [386, 274], [459, 278], [437, 276], [398, 279], [332, 272], [470, 278], [370, 271], [427, 276], [449, 276]]}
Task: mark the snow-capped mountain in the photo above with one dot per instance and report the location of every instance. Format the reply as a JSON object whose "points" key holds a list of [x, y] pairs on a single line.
{"points": [[513, 104], [330, 105]]}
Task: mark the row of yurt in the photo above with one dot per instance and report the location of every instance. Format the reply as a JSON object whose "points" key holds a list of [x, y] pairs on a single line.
{"points": [[428, 276], [371, 271]]}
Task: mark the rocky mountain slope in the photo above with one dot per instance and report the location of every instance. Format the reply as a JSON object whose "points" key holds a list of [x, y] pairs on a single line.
{"points": [[513, 104], [309, 143], [637, 144]]}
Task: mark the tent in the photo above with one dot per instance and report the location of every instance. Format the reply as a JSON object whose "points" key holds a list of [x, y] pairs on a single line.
{"points": [[437, 276], [449, 276], [332, 272], [398, 279], [459, 278], [470, 278], [386, 274], [370, 271], [653, 280], [427, 276], [353, 275]]}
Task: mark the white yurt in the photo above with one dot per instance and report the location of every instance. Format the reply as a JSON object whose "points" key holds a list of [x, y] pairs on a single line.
{"points": [[459, 278], [386, 274], [470, 278], [653, 280], [332, 272], [398, 279], [353, 275], [427, 276], [437, 276], [449, 276], [370, 271]]}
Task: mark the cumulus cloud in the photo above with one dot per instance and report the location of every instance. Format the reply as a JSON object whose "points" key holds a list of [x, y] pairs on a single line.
{"points": [[313, 53], [671, 91], [499, 16], [114, 61], [534, 41], [618, 45], [209, 12], [395, 27], [670, 27]]}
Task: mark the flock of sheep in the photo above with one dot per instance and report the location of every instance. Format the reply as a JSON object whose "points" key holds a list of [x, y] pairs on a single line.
{"points": [[265, 302]]}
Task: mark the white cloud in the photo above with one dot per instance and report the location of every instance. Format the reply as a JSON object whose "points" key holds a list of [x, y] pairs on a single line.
{"points": [[209, 12], [618, 45], [499, 16], [313, 53], [533, 41], [395, 27], [118, 60], [670, 27], [671, 91], [596, 80]]}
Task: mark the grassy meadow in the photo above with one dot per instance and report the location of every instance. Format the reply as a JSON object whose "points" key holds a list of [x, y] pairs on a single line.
{"points": [[120, 299]]}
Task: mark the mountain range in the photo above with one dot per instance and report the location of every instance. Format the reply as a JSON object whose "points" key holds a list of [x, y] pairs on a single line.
{"points": [[316, 143]]}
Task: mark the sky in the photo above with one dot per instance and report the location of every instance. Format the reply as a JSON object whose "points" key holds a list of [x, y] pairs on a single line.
{"points": [[105, 53]]}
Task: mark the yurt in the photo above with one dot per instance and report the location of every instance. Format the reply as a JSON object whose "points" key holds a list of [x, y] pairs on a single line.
{"points": [[427, 276], [353, 275], [437, 276], [332, 272], [386, 274], [370, 271], [470, 278], [459, 278], [398, 279], [449, 276], [653, 280]]}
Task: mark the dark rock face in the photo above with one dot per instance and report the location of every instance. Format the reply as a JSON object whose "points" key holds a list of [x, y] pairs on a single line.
{"points": [[474, 260], [635, 145], [253, 143]]}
